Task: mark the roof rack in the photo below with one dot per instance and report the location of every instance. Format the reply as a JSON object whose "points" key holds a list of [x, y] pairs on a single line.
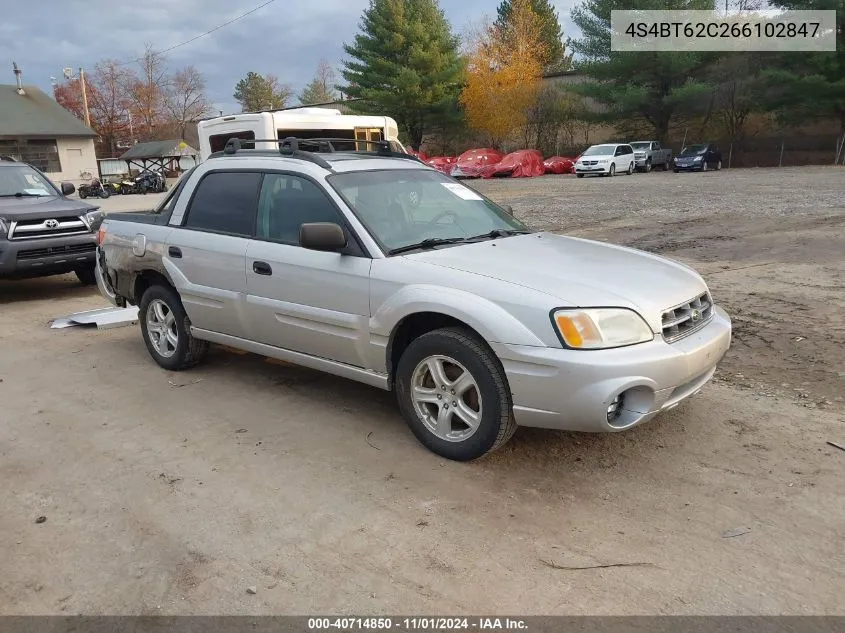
{"points": [[290, 146]]}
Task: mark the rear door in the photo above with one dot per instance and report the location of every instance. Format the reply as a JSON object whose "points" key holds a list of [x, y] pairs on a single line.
{"points": [[206, 253], [307, 301]]}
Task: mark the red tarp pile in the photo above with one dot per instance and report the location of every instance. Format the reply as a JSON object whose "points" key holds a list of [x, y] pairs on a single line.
{"points": [[559, 165], [523, 163], [442, 163], [473, 162], [421, 155]]}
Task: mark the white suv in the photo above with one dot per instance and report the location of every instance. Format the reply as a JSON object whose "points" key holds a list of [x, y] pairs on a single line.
{"points": [[607, 160]]}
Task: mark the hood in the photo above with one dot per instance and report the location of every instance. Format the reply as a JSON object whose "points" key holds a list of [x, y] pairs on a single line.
{"points": [[41, 208], [596, 157], [577, 272]]}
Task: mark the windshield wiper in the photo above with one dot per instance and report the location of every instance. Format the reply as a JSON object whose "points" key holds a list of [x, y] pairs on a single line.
{"points": [[22, 194], [430, 242], [496, 233]]}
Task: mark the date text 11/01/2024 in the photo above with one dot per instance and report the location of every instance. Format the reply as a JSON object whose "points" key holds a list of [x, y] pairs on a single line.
{"points": [[414, 624]]}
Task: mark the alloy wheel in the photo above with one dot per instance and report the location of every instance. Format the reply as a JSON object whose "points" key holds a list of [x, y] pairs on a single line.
{"points": [[446, 398], [161, 328]]}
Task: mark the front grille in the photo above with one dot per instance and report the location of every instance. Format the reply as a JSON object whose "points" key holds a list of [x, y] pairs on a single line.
{"points": [[53, 251], [686, 318], [590, 162], [48, 227]]}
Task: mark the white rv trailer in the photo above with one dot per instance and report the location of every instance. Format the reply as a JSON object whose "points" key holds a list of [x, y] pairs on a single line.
{"points": [[299, 122]]}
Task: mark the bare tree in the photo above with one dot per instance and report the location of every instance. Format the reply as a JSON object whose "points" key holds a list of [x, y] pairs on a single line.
{"points": [[147, 91], [110, 101], [185, 99], [321, 88]]}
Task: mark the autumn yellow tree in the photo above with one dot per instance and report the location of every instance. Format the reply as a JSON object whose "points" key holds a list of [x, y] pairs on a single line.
{"points": [[504, 73]]}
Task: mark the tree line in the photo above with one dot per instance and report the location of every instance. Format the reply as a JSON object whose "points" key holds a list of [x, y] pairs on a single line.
{"points": [[138, 102], [488, 84]]}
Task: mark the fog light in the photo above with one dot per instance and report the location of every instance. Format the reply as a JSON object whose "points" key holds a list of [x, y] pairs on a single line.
{"points": [[615, 408]]}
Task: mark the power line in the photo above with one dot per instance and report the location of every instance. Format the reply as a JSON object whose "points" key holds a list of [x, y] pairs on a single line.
{"points": [[209, 32]]}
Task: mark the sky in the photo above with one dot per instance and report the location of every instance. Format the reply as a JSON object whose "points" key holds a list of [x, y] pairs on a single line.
{"points": [[286, 38]]}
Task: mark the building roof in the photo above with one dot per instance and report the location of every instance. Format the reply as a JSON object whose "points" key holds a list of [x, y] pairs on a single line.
{"points": [[170, 148], [34, 113]]}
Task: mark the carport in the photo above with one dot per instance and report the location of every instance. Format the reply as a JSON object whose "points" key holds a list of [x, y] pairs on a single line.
{"points": [[158, 155]]}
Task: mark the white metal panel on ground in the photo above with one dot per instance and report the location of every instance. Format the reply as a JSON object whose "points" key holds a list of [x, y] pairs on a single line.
{"points": [[102, 318]]}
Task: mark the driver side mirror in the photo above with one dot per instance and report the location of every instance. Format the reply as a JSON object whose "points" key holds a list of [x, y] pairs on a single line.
{"points": [[67, 188], [322, 236]]}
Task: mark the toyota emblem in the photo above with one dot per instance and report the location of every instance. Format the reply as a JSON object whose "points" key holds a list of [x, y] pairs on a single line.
{"points": [[51, 224]]}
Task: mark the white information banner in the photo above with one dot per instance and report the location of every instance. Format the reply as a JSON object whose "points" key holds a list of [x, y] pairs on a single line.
{"points": [[745, 31]]}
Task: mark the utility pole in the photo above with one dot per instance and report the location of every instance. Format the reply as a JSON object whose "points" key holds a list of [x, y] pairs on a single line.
{"points": [[84, 97]]}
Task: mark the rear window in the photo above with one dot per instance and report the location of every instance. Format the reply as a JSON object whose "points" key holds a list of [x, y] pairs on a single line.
{"points": [[218, 141], [225, 202]]}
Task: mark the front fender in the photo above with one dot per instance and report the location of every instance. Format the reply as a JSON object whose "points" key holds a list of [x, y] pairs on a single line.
{"points": [[490, 320]]}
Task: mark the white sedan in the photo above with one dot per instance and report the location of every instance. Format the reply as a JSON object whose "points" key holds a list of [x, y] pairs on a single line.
{"points": [[607, 160]]}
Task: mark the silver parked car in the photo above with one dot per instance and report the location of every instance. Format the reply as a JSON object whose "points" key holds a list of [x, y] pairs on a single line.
{"points": [[375, 267]]}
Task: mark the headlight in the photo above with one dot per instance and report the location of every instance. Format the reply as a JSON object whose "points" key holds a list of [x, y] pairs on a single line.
{"points": [[4, 227], [93, 219], [603, 162], [697, 159], [600, 328]]}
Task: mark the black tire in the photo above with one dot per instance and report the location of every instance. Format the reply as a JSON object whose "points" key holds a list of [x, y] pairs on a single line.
{"points": [[648, 166], [104, 194], [631, 168], [86, 276], [579, 175], [675, 170], [666, 166], [719, 166], [612, 172], [82, 194], [189, 351], [497, 423]]}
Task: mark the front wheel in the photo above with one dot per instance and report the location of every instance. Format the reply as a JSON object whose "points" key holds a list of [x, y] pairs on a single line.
{"points": [[104, 194], [86, 276], [648, 166], [704, 165], [580, 175], [83, 194], [666, 166], [612, 171], [719, 165], [166, 329], [453, 393]]}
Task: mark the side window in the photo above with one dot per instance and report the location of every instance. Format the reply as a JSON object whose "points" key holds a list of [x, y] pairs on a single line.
{"points": [[619, 151], [655, 146], [286, 203], [225, 202]]}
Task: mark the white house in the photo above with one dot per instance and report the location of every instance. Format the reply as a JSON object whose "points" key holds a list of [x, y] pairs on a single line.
{"points": [[37, 130]]}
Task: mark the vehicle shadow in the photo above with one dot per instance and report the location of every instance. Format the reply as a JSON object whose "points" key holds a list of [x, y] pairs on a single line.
{"points": [[44, 288]]}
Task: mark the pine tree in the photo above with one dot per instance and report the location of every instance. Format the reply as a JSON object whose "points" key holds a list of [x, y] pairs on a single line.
{"points": [[261, 92], [404, 63], [810, 85], [321, 88], [551, 33], [652, 86]]}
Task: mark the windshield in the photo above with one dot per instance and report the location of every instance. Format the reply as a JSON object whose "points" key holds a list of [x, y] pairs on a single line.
{"points": [[405, 207], [600, 150], [640, 145], [23, 180], [693, 150]]}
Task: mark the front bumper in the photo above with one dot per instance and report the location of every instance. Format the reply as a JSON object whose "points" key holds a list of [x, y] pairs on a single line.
{"points": [[641, 162], [572, 389], [688, 166], [47, 256], [592, 169]]}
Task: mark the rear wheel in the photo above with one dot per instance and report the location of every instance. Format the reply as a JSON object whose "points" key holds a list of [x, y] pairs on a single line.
{"points": [[631, 168], [167, 330], [453, 394]]}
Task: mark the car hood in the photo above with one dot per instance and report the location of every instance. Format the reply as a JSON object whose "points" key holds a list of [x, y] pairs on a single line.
{"points": [[578, 272], [45, 207], [596, 157]]}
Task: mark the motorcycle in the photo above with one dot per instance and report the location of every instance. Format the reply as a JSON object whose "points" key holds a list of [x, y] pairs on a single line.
{"points": [[93, 189], [155, 181], [128, 186], [113, 188]]}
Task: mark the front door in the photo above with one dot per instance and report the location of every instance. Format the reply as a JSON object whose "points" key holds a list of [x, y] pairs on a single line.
{"points": [[307, 301], [208, 252]]}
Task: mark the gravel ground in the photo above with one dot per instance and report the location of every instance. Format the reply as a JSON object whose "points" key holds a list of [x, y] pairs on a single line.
{"points": [[176, 493]]}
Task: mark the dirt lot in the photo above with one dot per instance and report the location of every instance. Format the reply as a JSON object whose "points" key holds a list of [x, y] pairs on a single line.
{"points": [[173, 493]]}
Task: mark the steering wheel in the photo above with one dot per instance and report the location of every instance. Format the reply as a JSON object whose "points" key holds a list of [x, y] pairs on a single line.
{"points": [[443, 214]]}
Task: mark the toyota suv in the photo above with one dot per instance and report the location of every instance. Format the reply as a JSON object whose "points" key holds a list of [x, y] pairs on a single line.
{"points": [[42, 232]]}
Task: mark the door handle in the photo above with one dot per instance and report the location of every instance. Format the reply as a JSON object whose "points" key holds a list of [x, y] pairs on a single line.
{"points": [[174, 251], [261, 268]]}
